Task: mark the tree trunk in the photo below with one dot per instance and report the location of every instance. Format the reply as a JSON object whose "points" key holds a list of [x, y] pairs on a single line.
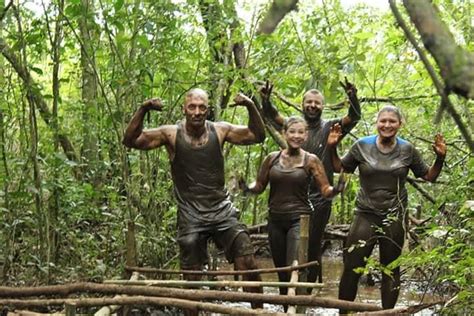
{"points": [[4, 171], [89, 92], [54, 204], [41, 222], [221, 51]]}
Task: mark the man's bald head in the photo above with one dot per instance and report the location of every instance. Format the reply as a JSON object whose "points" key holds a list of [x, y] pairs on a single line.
{"points": [[197, 93]]}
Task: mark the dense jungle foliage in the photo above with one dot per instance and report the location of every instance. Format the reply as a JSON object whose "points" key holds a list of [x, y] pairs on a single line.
{"points": [[73, 72]]}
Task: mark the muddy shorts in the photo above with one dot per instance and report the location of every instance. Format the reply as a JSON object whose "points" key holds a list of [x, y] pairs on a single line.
{"points": [[235, 241]]}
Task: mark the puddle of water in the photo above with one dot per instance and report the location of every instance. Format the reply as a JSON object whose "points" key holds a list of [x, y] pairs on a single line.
{"points": [[332, 271]]}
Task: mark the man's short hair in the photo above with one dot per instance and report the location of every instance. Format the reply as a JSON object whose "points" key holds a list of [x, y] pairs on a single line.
{"points": [[314, 92]]}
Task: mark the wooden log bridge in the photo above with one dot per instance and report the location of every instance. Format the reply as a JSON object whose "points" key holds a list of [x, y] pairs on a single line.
{"points": [[7, 293], [181, 298]]}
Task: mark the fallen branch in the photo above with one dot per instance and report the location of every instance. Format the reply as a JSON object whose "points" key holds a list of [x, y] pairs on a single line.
{"points": [[136, 300], [109, 289], [185, 283], [256, 229], [238, 272], [30, 313], [416, 221], [259, 237]]}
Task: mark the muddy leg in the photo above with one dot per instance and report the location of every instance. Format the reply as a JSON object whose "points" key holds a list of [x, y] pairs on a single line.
{"points": [[249, 263]]}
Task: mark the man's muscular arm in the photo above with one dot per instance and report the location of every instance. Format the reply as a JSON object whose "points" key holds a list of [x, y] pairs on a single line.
{"points": [[136, 137], [353, 116], [253, 133]]}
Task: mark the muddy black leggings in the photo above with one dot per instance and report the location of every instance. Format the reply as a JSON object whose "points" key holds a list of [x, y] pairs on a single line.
{"points": [[366, 230], [284, 237]]}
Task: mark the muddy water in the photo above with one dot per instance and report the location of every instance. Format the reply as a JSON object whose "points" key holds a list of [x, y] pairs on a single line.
{"points": [[332, 271]]}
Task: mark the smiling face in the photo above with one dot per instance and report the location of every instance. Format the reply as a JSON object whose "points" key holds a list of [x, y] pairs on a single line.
{"points": [[296, 134], [313, 105], [388, 124], [195, 107]]}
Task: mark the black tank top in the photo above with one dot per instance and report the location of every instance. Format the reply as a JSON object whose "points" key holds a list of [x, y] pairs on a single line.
{"points": [[288, 191], [199, 184]]}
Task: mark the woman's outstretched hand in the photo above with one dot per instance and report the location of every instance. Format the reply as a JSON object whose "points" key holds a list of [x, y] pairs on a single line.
{"points": [[335, 135]]}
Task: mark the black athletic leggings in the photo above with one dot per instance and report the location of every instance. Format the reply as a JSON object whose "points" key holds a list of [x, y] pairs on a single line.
{"points": [[284, 237], [366, 230]]}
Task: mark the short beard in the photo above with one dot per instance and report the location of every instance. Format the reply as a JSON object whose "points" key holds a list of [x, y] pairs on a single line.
{"points": [[312, 118]]}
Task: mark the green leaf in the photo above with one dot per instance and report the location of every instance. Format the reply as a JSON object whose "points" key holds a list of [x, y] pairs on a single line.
{"points": [[118, 5], [73, 10], [36, 70], [143, 40]]}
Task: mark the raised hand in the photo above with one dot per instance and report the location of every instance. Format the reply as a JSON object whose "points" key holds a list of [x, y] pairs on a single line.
{"points": [[335, 134], [266, 91], [439, 146], [153, 104], [241, 99], [349, 88]]}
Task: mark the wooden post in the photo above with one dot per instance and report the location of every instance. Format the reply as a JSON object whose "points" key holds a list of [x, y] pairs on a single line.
{"points": [[131, 251], [70, 309], [303, 256]]}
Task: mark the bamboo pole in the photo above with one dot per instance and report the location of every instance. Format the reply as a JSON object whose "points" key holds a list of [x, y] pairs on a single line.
{"points": [[292, 291], [185, 283], [239, 272], [109, 289]]}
